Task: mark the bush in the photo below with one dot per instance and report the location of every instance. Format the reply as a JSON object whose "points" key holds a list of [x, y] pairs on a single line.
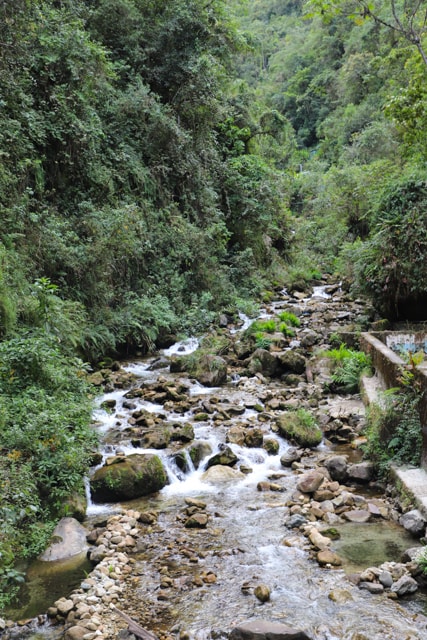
{"points": [[349, 367], [394, 430]]}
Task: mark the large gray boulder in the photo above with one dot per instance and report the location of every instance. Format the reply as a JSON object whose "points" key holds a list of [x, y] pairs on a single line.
{"points": [[212, 371], [414, 522], [266, 630], [68, 540], [125, 478]]}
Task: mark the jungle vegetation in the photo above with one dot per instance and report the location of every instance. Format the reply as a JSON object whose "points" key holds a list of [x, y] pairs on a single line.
{"points": [[162, 160]]}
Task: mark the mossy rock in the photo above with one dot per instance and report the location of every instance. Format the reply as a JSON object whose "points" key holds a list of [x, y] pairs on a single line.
{"points": [[300, 427], [130, 477]]}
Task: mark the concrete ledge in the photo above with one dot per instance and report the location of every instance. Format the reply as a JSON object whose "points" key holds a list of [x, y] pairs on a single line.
{"points": [[414, 483]]}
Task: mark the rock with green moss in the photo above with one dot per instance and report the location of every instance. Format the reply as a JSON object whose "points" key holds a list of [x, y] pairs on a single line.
{"points": [[125, 478], [300, 427]]}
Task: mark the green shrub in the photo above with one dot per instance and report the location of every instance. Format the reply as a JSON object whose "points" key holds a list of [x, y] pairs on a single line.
{"points": [[349, 366], [289, 318], [393, 430]]}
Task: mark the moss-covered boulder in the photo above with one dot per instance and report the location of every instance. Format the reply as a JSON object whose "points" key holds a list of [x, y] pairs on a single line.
{"points": [[125, 478], [225, 457], [300, 427], [262, 361]]}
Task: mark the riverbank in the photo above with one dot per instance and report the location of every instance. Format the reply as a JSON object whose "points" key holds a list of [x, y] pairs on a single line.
{"points": [[249, 539]]}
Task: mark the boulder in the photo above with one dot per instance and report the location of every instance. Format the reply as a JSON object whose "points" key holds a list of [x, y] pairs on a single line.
{"points": [[254, 438], [414, 522], [298, 427], [337, 467], [262, 361], [211, 371], [68, 540], [128, 477], [199, 451], [225, 457], [361, 472], [266, 630], [262, 592], [292, 362], [220, 474], [404, 585], [290, 456], [310, 482]]}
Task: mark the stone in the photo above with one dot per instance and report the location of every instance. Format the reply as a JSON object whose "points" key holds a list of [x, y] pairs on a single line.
{"points": [[225, 456], [75, 633], [64, 606], [361, 472], [254, 438], [413, 522], [337, 467], [299, 428], [326, 556], [211, 371], [404, 586], [129, 477], [357, 515], [197, 521], [68, 540], [290, 456], [310, 482], [295, 521], [319, 541], [373, 587], [292, 361], [266, 630], [262, 361], [219, 474], [386, 579], [262, 592]]}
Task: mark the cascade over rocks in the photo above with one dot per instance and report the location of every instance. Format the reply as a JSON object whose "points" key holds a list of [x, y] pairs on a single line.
{"points": [[150, 562]]}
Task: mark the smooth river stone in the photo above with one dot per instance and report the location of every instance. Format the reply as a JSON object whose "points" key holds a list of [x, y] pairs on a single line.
{"points": [[266, 630], [357, 515]]}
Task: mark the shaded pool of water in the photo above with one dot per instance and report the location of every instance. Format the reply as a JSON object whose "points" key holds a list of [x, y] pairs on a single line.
{"points": [[364, 545], [45, 583]]}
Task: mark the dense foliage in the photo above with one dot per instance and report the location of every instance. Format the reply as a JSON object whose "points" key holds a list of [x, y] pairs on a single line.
{"points": [[157, 159]]}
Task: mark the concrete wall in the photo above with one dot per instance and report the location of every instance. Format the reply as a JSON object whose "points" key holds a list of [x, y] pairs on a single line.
{"points": [[388, 367]]}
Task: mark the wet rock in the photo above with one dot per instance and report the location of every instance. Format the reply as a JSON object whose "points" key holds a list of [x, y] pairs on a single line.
{"points": [[413, 521], [271, 446], [290, 456], [197, 521], [219, 474], [199, 451], [130, 477], [225, 457], [254, 438], [236, 435], [340, 596], [295, 521], [266, 630], [326, 556], [262, 592]]}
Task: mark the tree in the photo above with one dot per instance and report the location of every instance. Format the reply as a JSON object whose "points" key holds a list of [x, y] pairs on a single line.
{"points": [[408, 19]]}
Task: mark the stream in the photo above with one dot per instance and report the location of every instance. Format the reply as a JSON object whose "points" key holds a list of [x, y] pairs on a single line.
{"points": [[199, 583]]}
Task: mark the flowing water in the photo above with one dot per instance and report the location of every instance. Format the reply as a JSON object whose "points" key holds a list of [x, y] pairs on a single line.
{"points": [[246, 542]]}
